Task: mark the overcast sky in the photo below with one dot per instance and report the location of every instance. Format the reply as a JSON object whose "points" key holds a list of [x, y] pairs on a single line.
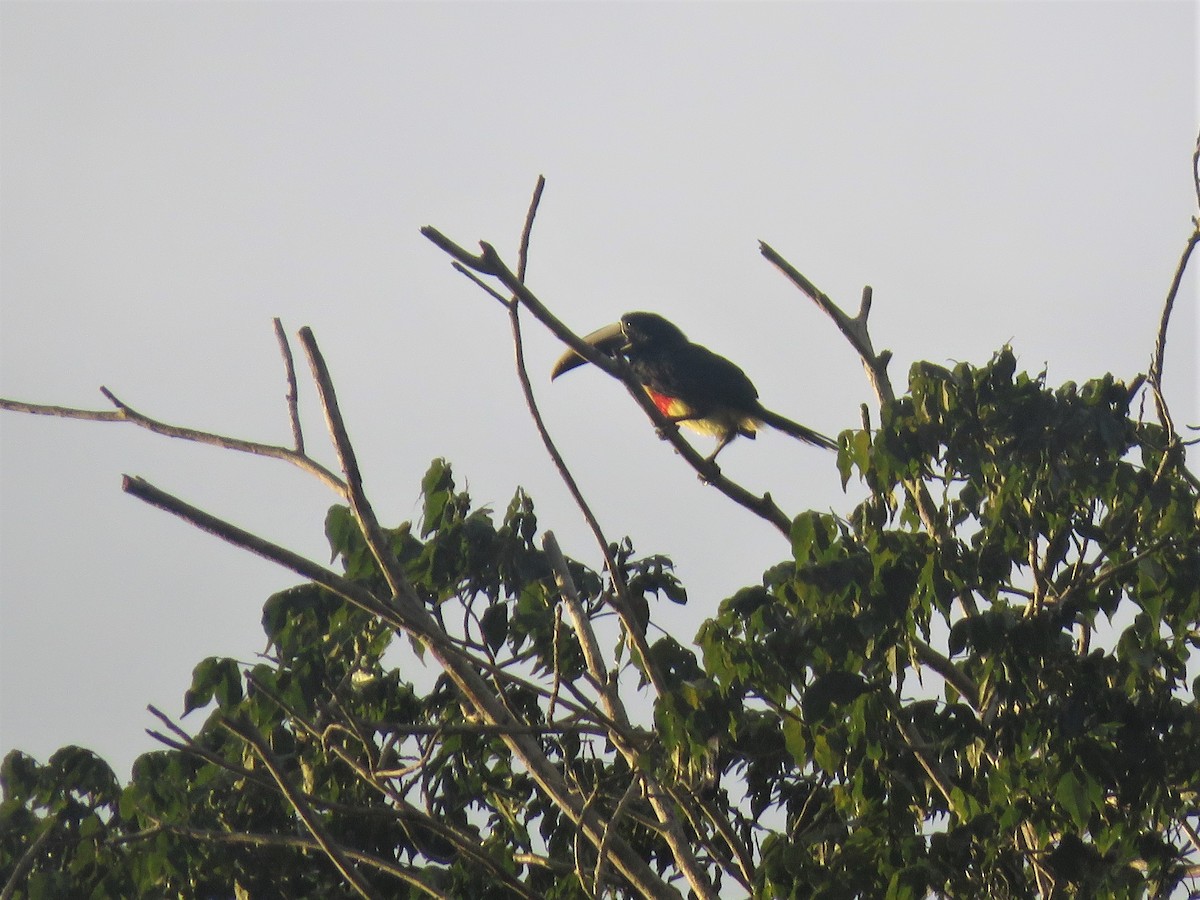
{"points": [[174, 175]]}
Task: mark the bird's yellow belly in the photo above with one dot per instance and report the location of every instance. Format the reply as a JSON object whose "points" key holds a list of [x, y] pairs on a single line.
{"points": [[716, 423]]}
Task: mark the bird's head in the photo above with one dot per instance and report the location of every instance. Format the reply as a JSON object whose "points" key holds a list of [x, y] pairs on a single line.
{"points": [[644, 329], [634, 331]]}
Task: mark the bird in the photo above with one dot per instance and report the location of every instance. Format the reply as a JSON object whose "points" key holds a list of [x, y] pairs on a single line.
{"points": [[688, 383]]}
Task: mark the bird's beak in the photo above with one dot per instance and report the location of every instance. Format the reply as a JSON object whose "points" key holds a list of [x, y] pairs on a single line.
{"points": [[610, 339]]}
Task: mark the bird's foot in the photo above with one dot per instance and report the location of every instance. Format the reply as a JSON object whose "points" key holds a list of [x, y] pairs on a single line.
{"points": [[709, 472]]}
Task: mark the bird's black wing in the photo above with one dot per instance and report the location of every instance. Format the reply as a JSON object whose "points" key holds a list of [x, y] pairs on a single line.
{"points": [[700, 378]]}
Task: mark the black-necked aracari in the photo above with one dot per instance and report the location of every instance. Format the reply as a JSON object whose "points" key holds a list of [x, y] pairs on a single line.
{"points": [[688, 383]]}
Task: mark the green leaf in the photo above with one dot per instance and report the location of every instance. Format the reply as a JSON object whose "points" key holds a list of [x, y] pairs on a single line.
{"points": [[217, 677], [803, 534], [437, 488], [793, 739], [1073, 797], [340, 530]]}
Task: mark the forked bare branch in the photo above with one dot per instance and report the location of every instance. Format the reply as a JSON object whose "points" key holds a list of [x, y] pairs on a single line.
{"points": [[853, 327], [125, 413]]}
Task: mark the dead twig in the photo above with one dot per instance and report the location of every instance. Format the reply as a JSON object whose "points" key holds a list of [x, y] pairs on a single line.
{"points": [[292, 397], [1155, 374], [126, 413], [853, 327]]}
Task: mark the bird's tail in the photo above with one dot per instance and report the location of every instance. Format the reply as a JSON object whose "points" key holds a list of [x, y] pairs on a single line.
{"points": [[796, 430]]}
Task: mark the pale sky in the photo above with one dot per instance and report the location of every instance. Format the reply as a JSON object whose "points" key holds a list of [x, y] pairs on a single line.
{"points": [[174, 175]]}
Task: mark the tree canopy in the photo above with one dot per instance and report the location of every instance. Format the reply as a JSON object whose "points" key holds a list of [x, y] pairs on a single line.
{"points": [[980, 681]]}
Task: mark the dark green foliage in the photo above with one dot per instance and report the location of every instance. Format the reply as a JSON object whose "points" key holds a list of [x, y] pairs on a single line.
{"points": [[1075, 528], [982, 692]]}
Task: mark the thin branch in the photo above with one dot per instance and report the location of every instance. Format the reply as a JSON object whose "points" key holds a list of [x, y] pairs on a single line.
{"points": [[523, 250], [543, 862], [625, 608], [854, 328], [1196, 169], [916, 743], [1160, 343], [28, 858], [293, 395], [622, 805], [294, 796], [948, 670], [681, 850], [560, 727], [296, 841], [125, 413], [344, 588], [482, 285], [1192, 836]]}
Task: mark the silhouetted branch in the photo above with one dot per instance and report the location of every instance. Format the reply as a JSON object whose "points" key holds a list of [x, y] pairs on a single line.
{"points": [[853, 327], [125, 413], [293, 396], [1154, 376], [239, 537]]}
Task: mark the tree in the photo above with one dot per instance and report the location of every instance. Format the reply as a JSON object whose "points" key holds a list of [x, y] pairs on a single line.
{"points": [[974, 684]]}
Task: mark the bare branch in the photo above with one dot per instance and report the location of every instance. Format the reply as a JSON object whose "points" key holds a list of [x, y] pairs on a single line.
{"points": [[293, 396], [125, 413], [523, 250], [1196, 173], [854, 328], [601, 857], [470, 260], [681, 849], [344, 588], [1154, 376], [482, 285], [635, 628]]}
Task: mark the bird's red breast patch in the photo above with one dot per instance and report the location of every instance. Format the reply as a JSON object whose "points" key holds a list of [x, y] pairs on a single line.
{"points": [[668, 406]]}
